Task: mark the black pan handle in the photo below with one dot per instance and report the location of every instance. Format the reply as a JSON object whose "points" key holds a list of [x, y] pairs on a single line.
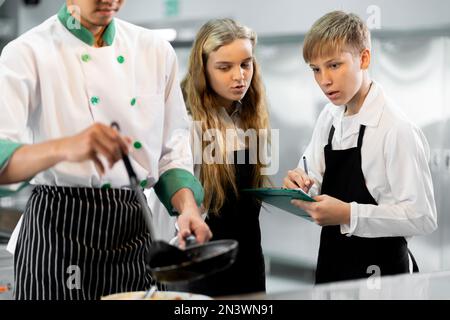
{"points": [[190, 241]]}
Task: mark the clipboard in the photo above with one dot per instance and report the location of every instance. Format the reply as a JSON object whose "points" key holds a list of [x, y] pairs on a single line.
{"points": [[281, 198]]}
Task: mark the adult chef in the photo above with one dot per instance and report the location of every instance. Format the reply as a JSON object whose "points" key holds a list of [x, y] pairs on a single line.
{"points": [[62, 84]]}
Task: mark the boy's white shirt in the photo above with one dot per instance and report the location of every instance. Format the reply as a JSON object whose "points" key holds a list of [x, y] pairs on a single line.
{"points": [[395, 156]]}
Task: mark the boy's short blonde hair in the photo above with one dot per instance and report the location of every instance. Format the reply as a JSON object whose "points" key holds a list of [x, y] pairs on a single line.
{"points": [[334, 32]]}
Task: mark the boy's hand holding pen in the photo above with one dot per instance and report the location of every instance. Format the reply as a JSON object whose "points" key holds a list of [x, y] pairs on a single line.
{"points": [[326, 210], [298, 178]]}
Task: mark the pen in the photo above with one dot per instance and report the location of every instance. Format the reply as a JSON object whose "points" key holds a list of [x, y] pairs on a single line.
{"points": [[305, 166]]}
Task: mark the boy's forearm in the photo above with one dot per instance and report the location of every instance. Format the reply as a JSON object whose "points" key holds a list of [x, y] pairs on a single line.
{"points": [[29, 160]]}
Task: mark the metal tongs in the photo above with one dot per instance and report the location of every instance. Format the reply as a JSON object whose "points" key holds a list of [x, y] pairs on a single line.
{"points": [[134, 183]]}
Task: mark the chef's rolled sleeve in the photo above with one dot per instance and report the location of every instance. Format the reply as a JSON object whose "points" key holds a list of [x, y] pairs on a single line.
{"points": [[7, 148], [172, 181]]}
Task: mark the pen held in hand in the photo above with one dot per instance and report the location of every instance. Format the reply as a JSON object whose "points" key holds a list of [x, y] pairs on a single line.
{"points": [[305, 165]]}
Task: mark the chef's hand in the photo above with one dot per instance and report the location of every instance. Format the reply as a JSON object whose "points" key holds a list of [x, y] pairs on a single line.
{"points": [[327, 211], [98, 139], [190, 220], [297, 178]]}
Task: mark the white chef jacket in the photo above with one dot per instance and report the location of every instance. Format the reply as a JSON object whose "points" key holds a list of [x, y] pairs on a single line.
{"points": [[54, 85], [394, 162]]}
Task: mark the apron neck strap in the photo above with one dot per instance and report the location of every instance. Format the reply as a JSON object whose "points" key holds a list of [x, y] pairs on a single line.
{"points": [[330, 135], [362, 128]]}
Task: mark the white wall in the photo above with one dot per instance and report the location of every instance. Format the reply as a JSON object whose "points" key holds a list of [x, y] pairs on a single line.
{"points": [[267, 16]]}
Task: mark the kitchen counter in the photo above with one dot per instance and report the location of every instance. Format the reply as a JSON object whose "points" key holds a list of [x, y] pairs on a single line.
{"points": [[420, 286]]}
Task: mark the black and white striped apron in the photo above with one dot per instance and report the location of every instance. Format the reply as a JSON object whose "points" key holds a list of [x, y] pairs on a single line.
{"points": [[81, 243]]}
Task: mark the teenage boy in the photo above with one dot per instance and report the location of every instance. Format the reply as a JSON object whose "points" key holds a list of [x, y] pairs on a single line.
{"points": [[365, 159]]}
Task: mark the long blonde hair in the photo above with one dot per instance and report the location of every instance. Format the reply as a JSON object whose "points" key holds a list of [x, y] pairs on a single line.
{"points": [[203, 106]]}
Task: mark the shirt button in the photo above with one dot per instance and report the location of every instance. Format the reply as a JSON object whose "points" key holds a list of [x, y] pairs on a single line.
{"points": [[95, 100], [85, 57], [106, 186], [120, 59], [143, 183], [133, 102], [137, 145]]}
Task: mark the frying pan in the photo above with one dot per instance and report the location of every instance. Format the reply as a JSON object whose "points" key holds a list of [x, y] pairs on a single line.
{"points": [[170, 264]]}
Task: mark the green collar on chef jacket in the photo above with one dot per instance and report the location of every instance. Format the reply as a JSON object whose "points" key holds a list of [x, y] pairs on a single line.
{"points": [[81, 32]]}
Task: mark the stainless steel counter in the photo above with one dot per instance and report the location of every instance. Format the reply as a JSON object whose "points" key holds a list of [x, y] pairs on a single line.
{"points": [[421, 286]]}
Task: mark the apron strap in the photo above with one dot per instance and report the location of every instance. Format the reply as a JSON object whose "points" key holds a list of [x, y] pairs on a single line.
{"points": [[415, 267], [330, 136], [362, 128]]}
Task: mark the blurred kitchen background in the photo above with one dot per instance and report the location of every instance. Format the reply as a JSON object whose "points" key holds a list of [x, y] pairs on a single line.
{"points": [[411, 59]]}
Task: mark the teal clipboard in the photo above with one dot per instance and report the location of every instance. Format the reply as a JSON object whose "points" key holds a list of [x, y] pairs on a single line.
{"points": [[281, 198]]}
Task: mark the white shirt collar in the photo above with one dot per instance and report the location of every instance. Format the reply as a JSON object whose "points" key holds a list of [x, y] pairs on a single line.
{"points": [[234, 117], [369, 114], [233, 121]]}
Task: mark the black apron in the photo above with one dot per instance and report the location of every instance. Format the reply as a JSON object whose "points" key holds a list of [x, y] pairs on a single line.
{"points": [[80, 243], [342, 257], [238, 219]]}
